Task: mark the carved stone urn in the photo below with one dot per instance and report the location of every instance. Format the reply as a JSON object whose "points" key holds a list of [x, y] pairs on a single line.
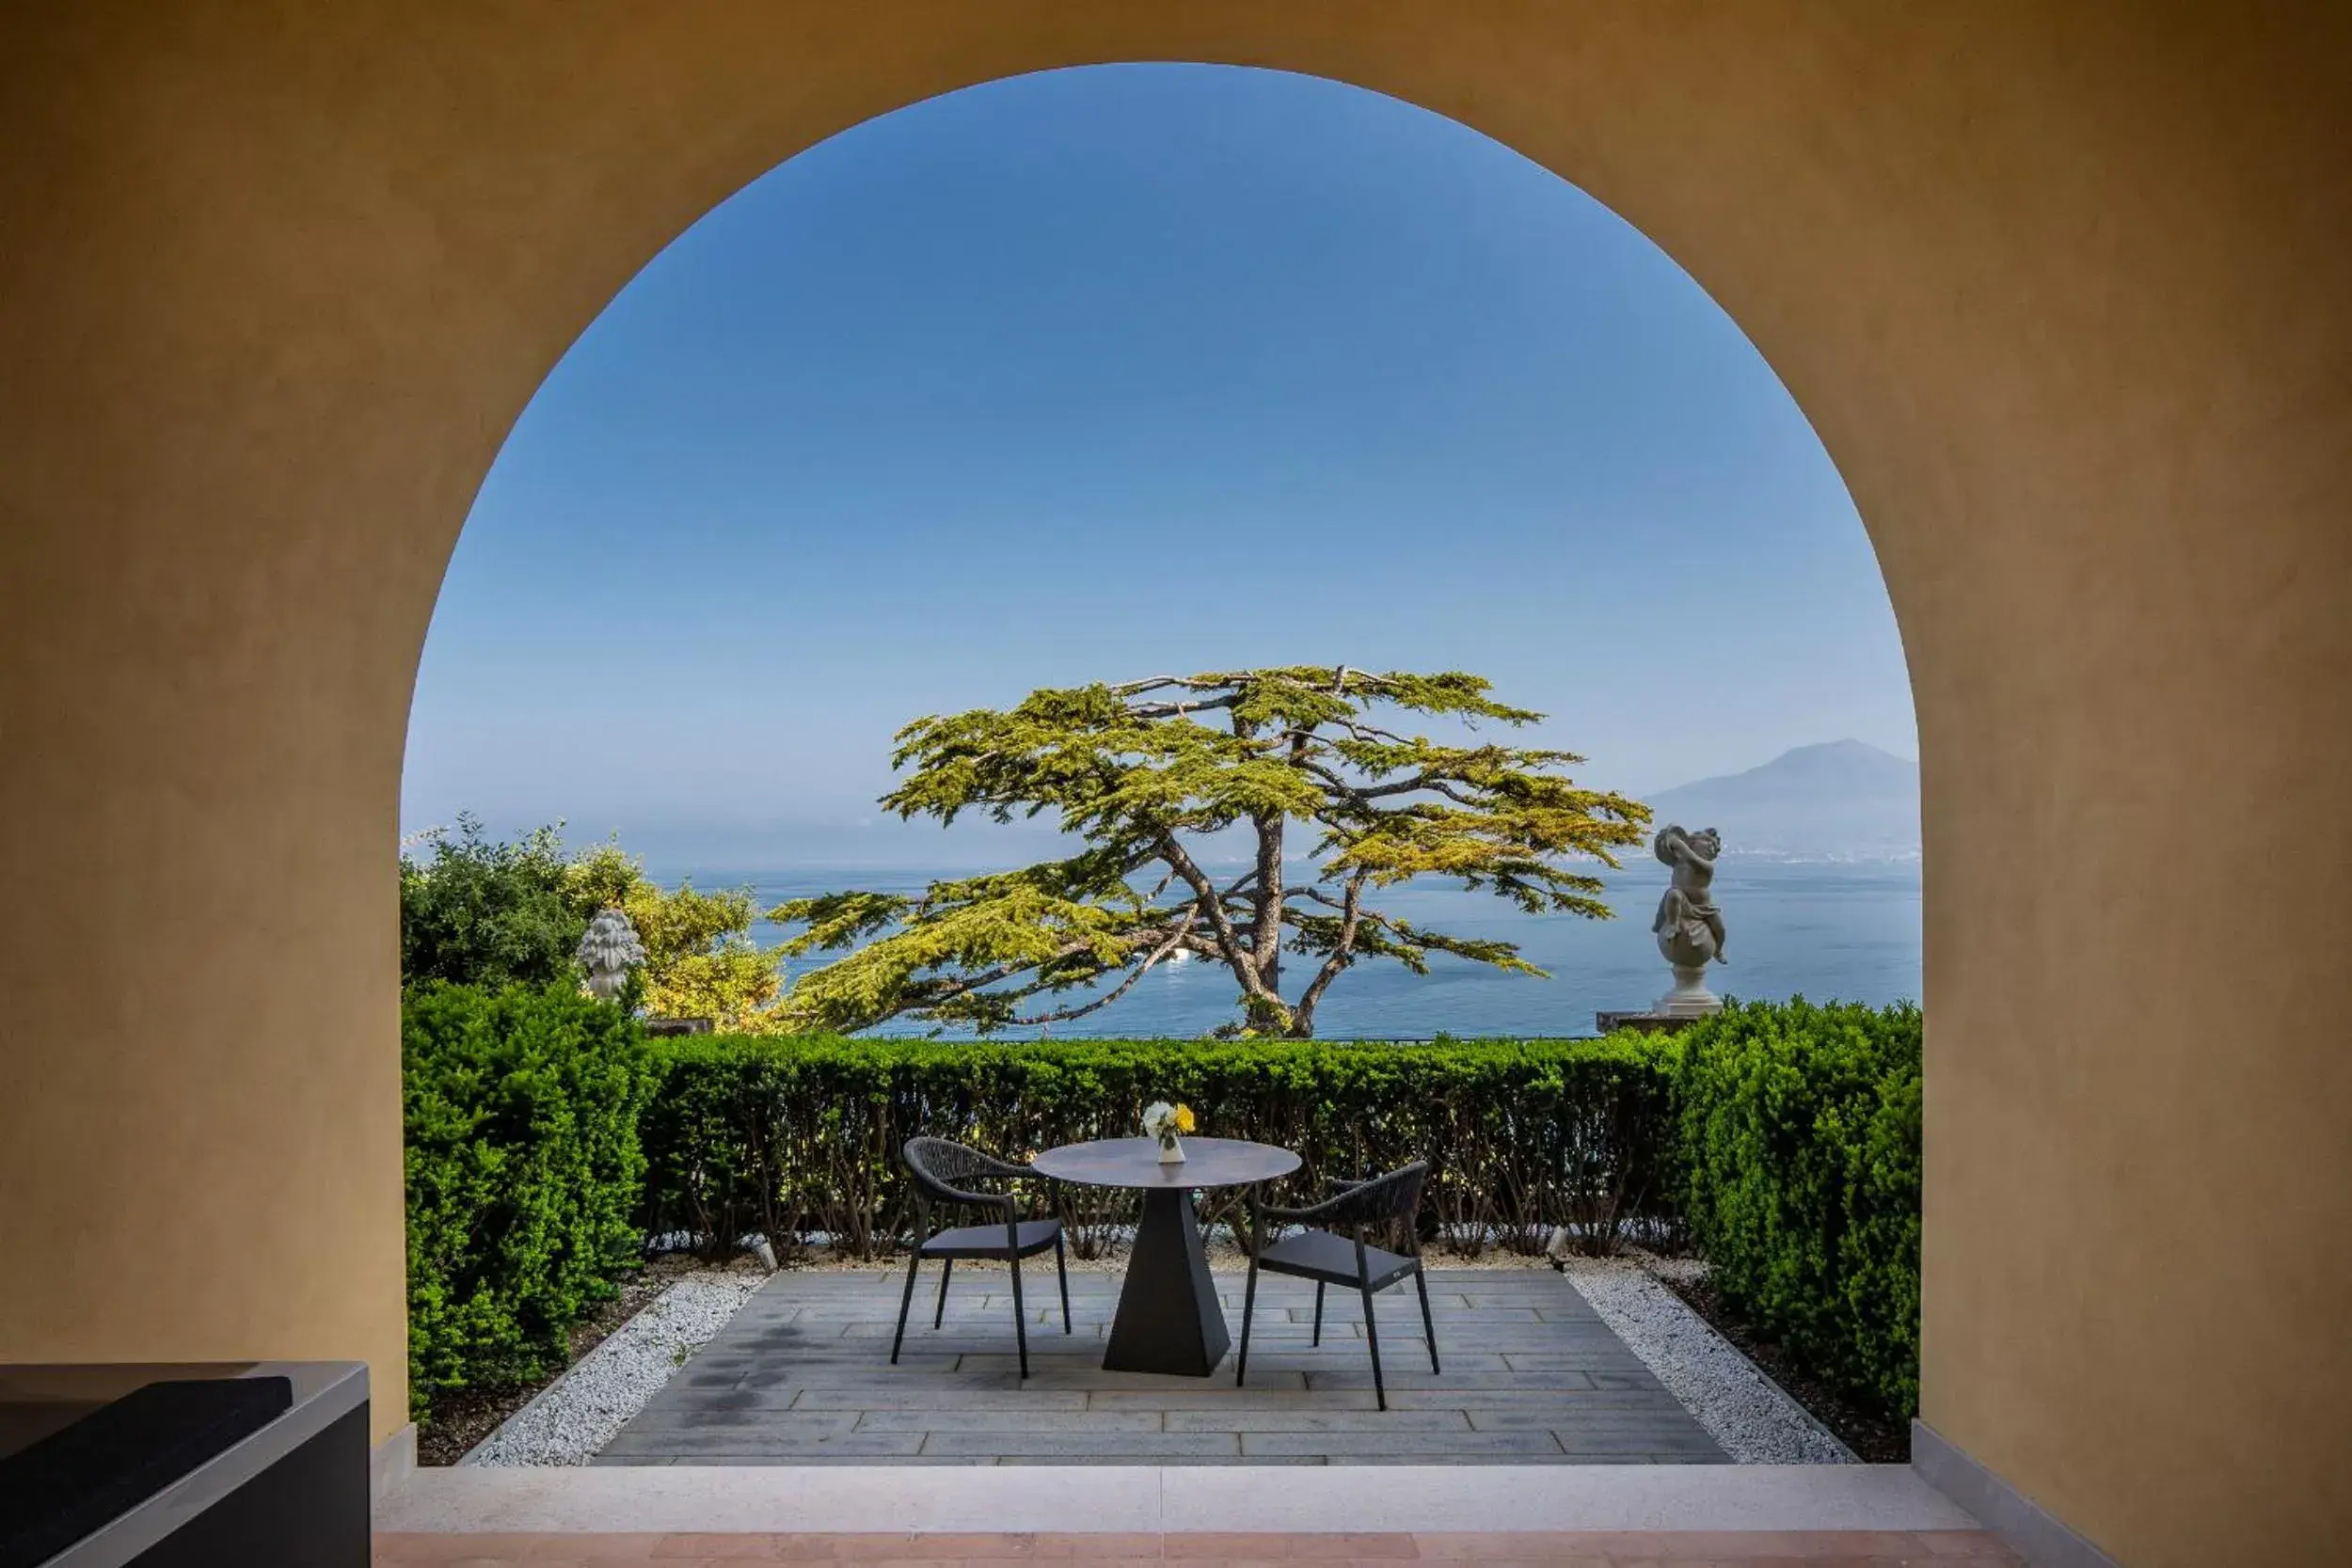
{"points": [[607, 951]]}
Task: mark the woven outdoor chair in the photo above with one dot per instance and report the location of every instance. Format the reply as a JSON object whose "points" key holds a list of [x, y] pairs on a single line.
{"points": [[1323, 1254], [937, 1166]]}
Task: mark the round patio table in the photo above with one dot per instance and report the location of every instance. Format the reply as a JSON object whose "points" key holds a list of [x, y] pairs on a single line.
{"points": [[1168, 1319]]}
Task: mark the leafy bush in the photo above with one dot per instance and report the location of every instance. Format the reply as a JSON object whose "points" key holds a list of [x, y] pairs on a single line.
{"points": [[523, 1173], [1801, 1139], [479, 912], [787, 1136], [482, 914], [701, 960]]}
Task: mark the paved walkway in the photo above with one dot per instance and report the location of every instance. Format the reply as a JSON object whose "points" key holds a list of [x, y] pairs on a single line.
{"points": [[1499, 1549], [801, 1376]]}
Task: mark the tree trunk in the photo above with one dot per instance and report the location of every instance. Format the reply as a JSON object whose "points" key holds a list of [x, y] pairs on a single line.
{"points": [[1268, 912]]}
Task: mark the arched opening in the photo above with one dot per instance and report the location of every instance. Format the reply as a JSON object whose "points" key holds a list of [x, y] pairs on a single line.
{"points": [[1084, 375], [1087, 375]]}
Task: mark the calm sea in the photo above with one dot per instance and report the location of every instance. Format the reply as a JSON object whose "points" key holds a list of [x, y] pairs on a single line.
{"points": [[1845, 931]]}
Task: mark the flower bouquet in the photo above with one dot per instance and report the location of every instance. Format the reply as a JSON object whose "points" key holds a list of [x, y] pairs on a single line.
{"points": [[1163, 1123]]}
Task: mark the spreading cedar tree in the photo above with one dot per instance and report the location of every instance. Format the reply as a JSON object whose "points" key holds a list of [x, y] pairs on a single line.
{"points": [[1141, 773]]}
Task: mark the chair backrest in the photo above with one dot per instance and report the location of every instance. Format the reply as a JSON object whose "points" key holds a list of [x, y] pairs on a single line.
{"points": [[938, 1166], [1383, 1200]]}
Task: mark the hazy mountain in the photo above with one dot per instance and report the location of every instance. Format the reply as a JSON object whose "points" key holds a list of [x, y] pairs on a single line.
{"points": [[1842, 800]]}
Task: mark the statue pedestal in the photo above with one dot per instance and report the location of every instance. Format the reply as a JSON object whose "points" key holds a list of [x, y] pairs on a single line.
{"points": [[1689, 1002], [1690, 998]]}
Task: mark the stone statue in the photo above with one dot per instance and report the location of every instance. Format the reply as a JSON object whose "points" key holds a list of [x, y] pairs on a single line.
{"points": [[608, 951], [1688, 927]]}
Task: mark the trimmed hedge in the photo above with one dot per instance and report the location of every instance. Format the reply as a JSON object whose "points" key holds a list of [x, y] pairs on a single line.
{"points": [[1800, 1138], [523, 1174], [1785, 1136], [790, 1137]]}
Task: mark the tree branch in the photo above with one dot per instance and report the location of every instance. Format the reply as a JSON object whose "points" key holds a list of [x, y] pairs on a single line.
{"points": [[1180, 706], [1237, 958], [1063, 1015], [1342, 951], [1365, 793], [966, 985]]}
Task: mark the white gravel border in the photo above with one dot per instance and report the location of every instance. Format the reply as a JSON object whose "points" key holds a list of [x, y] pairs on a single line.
{"points": [[1741, 1409], [571, 1418]]}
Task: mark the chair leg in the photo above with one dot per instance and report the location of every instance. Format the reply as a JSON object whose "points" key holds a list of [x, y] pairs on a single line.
{"points": [[1318, 1339], [1249, 1306], [1428, 1324], [946, 1272], [1020, 1317], [1371, 1332], [1061, 1271], [914, 1261]]}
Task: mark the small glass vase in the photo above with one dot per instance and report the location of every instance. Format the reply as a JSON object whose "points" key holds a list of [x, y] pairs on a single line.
{"points": [[1171, 1149]]}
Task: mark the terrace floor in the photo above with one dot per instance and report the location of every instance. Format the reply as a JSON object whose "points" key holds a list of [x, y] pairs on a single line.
{"points": [[1953, 1548], [802, 1375]]}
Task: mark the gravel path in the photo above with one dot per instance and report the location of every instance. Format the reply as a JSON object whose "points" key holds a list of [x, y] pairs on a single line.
{"points": [[579, 1411], [1740, 1408]]}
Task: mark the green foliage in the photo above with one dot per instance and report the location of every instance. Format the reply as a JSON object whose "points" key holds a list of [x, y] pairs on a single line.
{"points": [[479, 914], [787, 1136], [1140, 772], [523, 1171], [1800, 1137], [494, 914], [700, 959], [1786, 1137]]}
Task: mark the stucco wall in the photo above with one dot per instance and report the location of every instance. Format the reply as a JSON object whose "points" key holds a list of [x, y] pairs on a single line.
{"points": [[2062, 286]]}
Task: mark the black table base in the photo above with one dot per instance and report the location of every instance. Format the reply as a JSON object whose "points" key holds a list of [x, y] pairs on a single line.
{"points": [[1168, 1318]]}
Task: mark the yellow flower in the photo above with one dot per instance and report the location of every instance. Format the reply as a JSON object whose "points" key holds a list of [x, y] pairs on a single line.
{"points": [[1183, 1119]]}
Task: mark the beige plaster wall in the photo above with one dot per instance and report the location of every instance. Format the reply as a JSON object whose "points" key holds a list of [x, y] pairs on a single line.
{"points": [[2062, 286]]}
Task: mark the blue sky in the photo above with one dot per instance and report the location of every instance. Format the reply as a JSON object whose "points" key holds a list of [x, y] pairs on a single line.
{"points": [[1106, 372]]}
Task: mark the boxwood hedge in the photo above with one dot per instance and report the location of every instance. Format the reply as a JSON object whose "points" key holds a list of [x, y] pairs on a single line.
{"points": [[548, 1138], [790, 1138], [1801, 1151], [523, 1174]]}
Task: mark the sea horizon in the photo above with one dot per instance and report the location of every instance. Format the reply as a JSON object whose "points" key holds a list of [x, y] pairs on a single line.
{"points": [[1845, 930]]}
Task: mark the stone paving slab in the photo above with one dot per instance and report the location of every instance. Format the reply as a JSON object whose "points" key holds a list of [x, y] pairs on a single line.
{"points": [[1197, 1502], [972, 1549], [801, 1376]]}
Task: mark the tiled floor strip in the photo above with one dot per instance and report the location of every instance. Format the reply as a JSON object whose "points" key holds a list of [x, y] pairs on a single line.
{"points": [[1488, 1549], [1138, 1500]]}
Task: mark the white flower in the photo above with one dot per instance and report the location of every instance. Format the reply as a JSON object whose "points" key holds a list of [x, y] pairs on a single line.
{"points": [[1157, 1117]]}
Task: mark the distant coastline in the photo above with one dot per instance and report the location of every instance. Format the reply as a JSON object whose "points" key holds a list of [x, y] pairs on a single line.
{"points": [[1828, 930]]}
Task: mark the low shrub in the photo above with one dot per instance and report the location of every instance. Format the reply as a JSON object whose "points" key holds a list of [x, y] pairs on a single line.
{"points": [[523, 1174], [1801, 1145], [476, 913], [789, 1137]]}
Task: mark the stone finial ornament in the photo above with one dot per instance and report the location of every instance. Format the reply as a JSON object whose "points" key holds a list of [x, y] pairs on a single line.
{"points": [[1688, 927], [608, 951]]}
